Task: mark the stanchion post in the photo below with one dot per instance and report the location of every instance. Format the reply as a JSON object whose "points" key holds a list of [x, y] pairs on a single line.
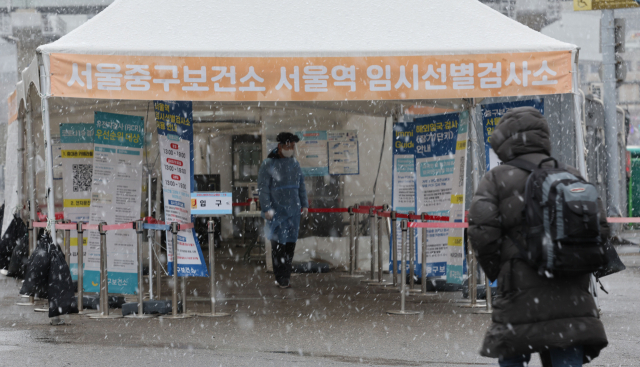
{"points": [[412, 254], [211, 225], [379, 220], [357, 238], [403, 290], [472, 269], [380, 248], [488, 295], [352, 246], [80, 266], [104, 282], [67, 244], [372, 232], [174, 248], [31, 231], [394, 247], [423, 280], [403, 266]]}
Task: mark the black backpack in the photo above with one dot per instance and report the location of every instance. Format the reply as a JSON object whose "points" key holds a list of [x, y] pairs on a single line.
{"points": [[560, 226]]}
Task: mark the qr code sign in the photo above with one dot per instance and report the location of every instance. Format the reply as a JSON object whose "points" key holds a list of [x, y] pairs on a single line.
{"points": [[82, 177]]}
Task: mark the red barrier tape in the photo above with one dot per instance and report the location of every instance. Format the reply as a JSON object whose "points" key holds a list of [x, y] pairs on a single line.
{"points": [[361, 211], [437, 225], [67, 226], [385, 214], [328, 210], [40, 224], [185, 226], [367, 207], [113, 227], [623, 220], [152, 220], [90, 227]]}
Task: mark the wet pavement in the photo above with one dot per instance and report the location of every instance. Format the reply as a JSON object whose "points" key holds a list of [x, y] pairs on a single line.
{"points": [[324, 320]]}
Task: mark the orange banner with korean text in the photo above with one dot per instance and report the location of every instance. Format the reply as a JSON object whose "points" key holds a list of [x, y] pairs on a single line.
{"points": [[12, 102], [310, 78]]}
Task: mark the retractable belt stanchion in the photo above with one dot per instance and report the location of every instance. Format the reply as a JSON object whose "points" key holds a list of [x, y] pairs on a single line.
{"points": [[403, 266], [488, 296], [352, 247], [472, 279], [356, 250], [212, 273], [372, 226], [394, 247], [140, 314], [412, 257], [80, 267], [67, 244], [174, 296], [381, 224], [423, 275], [104, 278], [32, 234]]}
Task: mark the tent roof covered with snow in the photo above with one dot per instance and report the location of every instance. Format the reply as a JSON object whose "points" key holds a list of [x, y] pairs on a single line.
{"points": [[304, 51]]}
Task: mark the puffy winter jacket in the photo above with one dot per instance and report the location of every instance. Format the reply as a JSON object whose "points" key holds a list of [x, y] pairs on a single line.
{"points": [[532, 313]]}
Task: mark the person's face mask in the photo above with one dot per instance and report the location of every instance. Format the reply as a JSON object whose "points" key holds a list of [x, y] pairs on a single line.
{"points": [[287, 153]]}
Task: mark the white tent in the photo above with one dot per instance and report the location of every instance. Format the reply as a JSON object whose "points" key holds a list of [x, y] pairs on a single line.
{"points": [[318, 53]]}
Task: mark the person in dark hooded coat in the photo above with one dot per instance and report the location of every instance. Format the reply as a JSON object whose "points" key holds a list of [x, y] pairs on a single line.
{"points": [[556, 317]]}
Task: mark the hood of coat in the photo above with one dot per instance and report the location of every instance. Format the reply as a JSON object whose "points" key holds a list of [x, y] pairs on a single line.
{"points": [[521, 130]]}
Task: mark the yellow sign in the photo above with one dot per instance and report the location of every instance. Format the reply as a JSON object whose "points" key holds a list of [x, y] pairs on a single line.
{"points": [[457, 199], [455, 241], [77, 203], [310, 78], [77, 154], [579, 5]]}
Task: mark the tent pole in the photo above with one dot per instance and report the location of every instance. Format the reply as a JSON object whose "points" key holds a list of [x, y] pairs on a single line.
{"points": [[31, 158], [577, 101], [20, 164], [51, 209]]}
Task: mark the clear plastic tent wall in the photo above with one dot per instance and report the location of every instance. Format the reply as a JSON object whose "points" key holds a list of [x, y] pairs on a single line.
{"points": [[315, 64]]}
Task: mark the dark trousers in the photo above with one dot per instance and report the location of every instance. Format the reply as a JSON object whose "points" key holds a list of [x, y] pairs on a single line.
{"points": [[282, 255]]}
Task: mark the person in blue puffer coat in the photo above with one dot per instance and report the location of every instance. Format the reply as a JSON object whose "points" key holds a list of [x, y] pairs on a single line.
{"points": [[283, 199]]}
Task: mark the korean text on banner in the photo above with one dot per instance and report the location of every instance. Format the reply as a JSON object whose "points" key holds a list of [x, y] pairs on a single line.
{"points": [[491, 115], [175, 136], [426, 158], [116, 192], [77, 167], [310, 78]]}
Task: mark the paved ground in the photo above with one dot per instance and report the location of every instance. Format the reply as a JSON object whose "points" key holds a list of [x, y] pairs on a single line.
{"points": [[324, 320]]}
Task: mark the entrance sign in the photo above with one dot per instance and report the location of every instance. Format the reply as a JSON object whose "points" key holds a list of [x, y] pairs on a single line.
{"points": [[175, 137], [310, 78], [211, 203], [77, 167], [428, 177], [116, 192], [491, 115]]}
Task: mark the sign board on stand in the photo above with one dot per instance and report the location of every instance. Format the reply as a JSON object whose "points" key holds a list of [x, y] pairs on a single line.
{"points": [[175, 137], [77, 167], [211, 203], [116, 193], [428, 177]]}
